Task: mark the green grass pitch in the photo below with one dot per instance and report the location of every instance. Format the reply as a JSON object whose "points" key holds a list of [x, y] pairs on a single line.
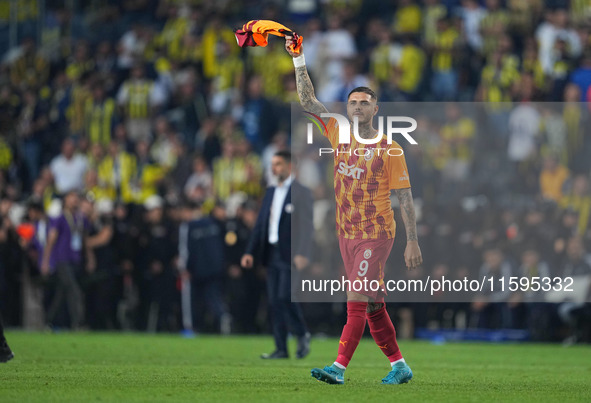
{"points": [[95, 367]]}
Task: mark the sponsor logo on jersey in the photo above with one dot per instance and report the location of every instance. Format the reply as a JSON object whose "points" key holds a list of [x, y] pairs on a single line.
{"points": [[350, 170]]}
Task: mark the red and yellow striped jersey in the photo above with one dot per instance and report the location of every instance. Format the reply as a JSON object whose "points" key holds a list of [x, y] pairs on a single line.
{"points": [[363, 177]]}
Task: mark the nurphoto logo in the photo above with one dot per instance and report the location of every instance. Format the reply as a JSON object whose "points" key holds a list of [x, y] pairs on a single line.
{"points": [[344, 126]]}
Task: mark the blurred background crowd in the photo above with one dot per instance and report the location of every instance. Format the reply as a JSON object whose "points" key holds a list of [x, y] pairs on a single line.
{"points": [[122, 119]]}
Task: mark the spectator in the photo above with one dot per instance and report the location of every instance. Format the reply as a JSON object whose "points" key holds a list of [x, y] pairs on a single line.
{"points": [[156, 250], [30, 69], [338, 45], [214, 35], [552, 179], [99, 285], [165, 139], [131, 46], [99, 116], [407, 18], [116, 171], [68, 169], [95, 156], [245, 285], [201, 263], [146, 176], [578, 199], [62, 263], [138, 98], [497, 80], [80, 93], [58, 105], [553, 132], [575, 121], [338, 90], [35, 246], [229, 77], [198, 187], [492, 309], [555, 27], [174, 29], [313, 33], [211, 142], [382, 57], [96, 190], [472, 14], [444, 81], [582, 76], [537, 312], [408, 74], [176, 178], [128, 277], [457, 136], [258, 121], [493, 25], [531, 65], [524, 126], [574, 314], [105, 62], [32, 130], [81, 62]]}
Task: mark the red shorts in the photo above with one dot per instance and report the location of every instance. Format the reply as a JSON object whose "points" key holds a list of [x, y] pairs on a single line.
{"points": [[364, 261]]}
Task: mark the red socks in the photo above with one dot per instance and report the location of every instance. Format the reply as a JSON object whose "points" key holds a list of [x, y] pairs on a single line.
{"points": [[352, 331], [382, 330]]}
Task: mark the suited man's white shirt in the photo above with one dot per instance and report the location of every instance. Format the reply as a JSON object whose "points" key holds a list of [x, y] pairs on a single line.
{"points": [[276, 205]]}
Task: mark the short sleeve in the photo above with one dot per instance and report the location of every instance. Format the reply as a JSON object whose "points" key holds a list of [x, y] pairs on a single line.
{"points": [[396, 167]]}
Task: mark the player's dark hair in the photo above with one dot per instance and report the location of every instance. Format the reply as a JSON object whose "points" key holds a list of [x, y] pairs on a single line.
{"points": [[365, 90], [286, 155]]}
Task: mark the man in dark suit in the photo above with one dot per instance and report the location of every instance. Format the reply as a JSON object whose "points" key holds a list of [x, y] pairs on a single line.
{"points": [[285, 207]]}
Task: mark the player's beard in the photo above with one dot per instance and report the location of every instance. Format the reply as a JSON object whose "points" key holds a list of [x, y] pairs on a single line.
{"points": [[364, 128]]}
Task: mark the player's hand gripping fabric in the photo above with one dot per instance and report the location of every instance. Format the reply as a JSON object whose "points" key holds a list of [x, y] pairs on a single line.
{"points": [[288, 46]]}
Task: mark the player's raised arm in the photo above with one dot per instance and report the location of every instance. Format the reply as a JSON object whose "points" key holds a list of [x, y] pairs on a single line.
{"points": [[412, 254], [304, 84]]}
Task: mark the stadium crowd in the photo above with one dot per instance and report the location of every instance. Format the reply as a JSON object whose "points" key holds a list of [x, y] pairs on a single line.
{"points": [[137, 115]]}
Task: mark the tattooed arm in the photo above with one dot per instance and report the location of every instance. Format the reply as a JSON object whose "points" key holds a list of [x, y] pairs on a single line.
{"points": [[412, 254], [407, 209], [304, 85], [306, 92]]}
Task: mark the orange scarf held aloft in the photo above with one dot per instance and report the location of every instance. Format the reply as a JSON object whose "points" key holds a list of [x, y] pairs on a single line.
{"points": [[256, 32]]}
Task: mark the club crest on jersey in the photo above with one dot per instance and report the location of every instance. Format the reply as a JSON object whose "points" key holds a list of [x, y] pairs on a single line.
{"points": [[367, 254], [369, 153], [350, 170]]}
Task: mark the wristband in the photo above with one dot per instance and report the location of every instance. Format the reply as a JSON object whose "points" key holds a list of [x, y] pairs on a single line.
{"points": [[299, 61]]}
